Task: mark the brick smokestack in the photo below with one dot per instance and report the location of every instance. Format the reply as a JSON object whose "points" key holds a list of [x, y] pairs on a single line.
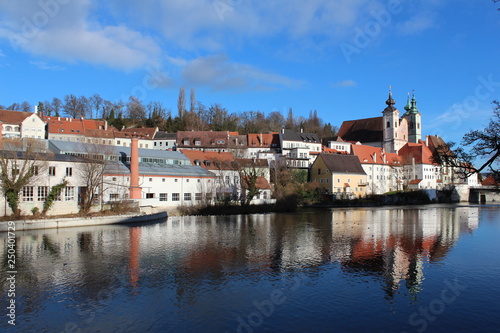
{"points": [[135, 190]]}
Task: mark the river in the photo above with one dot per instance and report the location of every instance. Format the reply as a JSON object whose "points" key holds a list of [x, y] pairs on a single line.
{"points": [[392, 269]]}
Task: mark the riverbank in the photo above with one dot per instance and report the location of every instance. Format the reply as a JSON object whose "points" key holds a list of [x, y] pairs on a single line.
{"points": [[55, 223]]}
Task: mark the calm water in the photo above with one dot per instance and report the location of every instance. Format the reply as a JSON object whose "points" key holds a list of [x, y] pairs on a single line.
{"points": [[404, 269]]}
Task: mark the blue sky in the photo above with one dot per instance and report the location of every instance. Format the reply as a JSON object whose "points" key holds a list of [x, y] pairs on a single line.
{"points": [[335, 56]]}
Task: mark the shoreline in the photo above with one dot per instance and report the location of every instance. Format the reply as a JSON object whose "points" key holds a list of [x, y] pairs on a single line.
{"points": [[56, 223]]}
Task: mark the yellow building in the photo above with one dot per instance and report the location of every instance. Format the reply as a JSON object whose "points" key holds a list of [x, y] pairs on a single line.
{"points": [[340, 175]]}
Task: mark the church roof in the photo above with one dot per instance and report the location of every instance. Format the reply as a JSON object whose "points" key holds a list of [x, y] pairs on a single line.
{"points": [[363, 130]]}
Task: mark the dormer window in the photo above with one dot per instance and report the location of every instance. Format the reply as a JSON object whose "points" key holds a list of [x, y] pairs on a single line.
{"points": [[220, 142], [207, 163]]}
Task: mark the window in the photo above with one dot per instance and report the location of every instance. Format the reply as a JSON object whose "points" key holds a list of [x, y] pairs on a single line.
{"points": [[42, 192], [163, 196], [187, 196], [319, 171], [175, 196], [150, 195], [117, 142], [187, 180], [388, 124], [52, 171], [114, 196], [338, 180], [175, 180], [69, 193], [209, 196], [163, 180], [150, 179], [28, 193], [69, 172], [197, 196]]}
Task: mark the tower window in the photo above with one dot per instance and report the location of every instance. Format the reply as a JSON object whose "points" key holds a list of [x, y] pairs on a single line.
{"points": [[388, 124]]}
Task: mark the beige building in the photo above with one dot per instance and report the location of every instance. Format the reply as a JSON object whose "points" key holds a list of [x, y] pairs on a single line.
{"points": [[341, 176]]}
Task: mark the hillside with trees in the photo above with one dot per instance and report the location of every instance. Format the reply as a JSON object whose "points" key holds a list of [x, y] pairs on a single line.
{"points": [[136, 113]]}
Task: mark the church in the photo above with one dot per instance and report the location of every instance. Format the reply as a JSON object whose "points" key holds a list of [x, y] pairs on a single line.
{"points": [[390, 131]]}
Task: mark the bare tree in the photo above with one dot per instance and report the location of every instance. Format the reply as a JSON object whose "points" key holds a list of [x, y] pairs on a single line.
{"points": [[56, 106], [95, 102], [192, 98], [136, 110], [485, 144], [96, 163], [181, 102], [74, 106]]}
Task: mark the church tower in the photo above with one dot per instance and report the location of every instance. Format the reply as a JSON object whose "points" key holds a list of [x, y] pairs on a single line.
{"points": [[414, 119], [391, 123]]}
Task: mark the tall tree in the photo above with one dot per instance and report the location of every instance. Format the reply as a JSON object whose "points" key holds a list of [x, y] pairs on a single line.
{"points": [[56, 106], [484, 145], [192, 99], [95, 102], [276, 121], [92, 171], [181, 102], [290, 120], [75, 107], [136, 110]]}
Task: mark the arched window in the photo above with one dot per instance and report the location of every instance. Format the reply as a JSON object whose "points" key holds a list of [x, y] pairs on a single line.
{"points": [[388, 124], [8, 128]]}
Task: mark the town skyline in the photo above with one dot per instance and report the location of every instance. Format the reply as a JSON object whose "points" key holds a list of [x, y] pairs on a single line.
{"points": [[337, 58]]}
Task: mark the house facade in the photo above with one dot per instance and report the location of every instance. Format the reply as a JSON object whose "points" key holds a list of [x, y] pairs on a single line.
{"points": [[339, 175], [17, 124]]}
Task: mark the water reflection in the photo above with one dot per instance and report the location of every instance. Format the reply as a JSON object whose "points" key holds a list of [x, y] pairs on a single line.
{"points": [[100, 266]]}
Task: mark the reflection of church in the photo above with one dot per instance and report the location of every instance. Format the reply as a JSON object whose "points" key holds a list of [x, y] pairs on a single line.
{"points": [[396, 252], [390, 131]]}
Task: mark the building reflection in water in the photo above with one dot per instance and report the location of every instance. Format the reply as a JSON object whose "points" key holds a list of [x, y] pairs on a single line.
{"points": [[389, 245]]}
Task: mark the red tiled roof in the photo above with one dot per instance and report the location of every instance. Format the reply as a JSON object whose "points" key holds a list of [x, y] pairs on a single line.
{"points": [[261, 183], [415, 181], [100, 133], [490, 181], [64, 126], [13, 117], [217, 161], [263, 140], [210, 139], [145, 132], [248, 162], [368, 154], [420, 152]]}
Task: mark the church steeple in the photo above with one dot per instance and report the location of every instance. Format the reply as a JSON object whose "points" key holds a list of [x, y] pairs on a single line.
{"points": [[391, 125], [408, 105], [414, 119], [390, 102], [414, 104]]}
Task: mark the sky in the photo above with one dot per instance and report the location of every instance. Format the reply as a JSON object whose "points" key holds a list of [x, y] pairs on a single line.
{"points": [[338, 57]]}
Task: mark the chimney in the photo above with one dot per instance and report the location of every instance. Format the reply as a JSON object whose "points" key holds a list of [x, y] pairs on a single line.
{"points": [[105, 124], [35, 109], [135, 189]]}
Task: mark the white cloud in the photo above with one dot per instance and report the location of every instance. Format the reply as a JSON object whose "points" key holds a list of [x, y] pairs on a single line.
{"points": [[45, 66], [417, 24], [70, 33], [345, 83], [218, 73]]}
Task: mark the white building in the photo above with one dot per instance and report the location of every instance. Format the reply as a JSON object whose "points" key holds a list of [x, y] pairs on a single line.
{"points": [[17, 124]]}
